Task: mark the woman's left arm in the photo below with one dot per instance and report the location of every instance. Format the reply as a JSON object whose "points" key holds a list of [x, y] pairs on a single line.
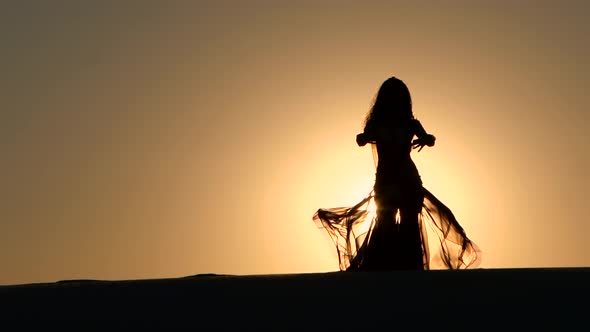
{"points": [[424, 139]]}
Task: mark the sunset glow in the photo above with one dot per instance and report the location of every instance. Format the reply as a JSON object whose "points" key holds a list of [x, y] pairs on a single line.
{"points": [[196, 137]]}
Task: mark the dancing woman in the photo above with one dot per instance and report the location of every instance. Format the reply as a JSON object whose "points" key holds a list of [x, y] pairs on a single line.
{"points": [[410, 229]]}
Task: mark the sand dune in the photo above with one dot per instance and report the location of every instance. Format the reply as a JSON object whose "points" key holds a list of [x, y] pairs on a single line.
{"points": [[468, 299]]}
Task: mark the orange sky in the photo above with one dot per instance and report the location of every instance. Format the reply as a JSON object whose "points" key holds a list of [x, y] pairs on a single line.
{"points": [[148, 141]]}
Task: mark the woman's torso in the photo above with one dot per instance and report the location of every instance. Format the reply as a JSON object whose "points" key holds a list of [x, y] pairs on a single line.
{"points": [[394, 144], [396, 174]]}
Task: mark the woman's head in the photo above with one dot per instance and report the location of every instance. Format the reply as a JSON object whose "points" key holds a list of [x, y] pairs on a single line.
{"points": [[393, 104]]}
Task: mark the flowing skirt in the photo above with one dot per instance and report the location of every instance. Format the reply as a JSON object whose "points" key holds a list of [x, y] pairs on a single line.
{"points": [[366, 242]]}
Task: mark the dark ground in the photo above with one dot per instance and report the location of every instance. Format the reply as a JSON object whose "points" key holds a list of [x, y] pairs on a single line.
{"points": [[480, 299]]}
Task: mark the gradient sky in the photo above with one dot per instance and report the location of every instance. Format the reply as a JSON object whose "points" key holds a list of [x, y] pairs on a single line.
{"points": [[149, 139]]}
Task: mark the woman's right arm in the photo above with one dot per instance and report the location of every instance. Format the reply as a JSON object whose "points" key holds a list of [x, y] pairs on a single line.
{"points": [[369, 135]]}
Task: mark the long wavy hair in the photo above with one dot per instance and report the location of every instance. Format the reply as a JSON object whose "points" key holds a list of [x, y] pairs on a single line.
{"points": [[392, 105]]}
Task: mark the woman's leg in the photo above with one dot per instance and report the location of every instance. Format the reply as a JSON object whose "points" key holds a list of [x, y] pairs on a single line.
{"points": [[411, 241]]}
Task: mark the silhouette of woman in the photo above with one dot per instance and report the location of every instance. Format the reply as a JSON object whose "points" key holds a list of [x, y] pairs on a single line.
{"points": [[410, 229]]}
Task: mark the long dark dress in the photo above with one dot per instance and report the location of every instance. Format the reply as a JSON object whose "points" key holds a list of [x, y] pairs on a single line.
{"points": [[400, 225]]}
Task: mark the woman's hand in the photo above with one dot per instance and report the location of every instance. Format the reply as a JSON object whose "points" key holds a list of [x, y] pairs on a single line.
{"points": [[361, 139], [427, 140]]}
